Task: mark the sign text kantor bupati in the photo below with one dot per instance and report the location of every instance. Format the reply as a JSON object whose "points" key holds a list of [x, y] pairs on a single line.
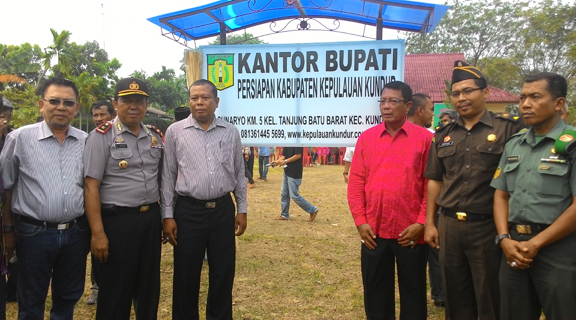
{"points": [[302, 94]]}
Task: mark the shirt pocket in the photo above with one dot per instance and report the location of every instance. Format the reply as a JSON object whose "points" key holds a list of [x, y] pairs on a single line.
{"points": [[511, 173], [490, 154], [156, 153], [554, 180], [120, 153], [448, 159]]}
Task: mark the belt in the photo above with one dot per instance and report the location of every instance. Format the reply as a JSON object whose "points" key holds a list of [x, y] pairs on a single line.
{"points": [[467, 216], [112, 207], [210, 204], [52, 225], [527, 228]]}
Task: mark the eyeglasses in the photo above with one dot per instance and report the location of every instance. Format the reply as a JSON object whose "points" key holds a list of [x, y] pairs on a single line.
{"points": [[393, 102], [466, 92], [57, 102]]}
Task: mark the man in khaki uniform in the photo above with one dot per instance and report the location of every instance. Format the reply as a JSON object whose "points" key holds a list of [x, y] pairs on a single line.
{"points": [[534, 208]]}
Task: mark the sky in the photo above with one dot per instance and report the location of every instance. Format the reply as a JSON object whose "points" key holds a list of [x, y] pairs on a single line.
{"points": [[120, 26]]}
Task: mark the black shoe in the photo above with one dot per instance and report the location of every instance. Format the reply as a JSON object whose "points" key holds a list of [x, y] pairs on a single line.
{"points": [[439, 303]]}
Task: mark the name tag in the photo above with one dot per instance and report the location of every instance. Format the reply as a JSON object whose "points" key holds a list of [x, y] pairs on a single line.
{"points": [[446, 144], [513, 159], [120, 145]]}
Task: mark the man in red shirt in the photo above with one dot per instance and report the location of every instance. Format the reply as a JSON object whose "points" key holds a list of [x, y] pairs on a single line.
{"points": [[387, 198]]}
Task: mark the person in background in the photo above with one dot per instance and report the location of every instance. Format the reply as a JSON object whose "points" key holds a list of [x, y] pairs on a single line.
{"points": [[102, 111], [448, 116], [347, 162], [291, 158], [422, 111], [263, 161]]}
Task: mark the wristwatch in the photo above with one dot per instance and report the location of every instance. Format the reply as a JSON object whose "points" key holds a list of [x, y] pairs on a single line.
{"points": [[500, 237], [8, 229]]}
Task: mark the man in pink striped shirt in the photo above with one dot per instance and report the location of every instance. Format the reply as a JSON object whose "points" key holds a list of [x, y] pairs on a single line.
{"points": [[387, 198]]}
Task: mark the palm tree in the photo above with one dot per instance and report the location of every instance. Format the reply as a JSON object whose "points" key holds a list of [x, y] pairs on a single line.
{"points": [[85, 83], [59, 49]]}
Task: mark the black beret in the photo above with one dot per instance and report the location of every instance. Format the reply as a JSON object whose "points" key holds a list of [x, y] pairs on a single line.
{"points": [[181, 113], [463, 71]]}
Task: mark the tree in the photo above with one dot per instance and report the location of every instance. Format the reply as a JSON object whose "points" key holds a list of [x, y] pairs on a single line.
{"points": [[25, 102], [166, 90], [477, 29], [15, 63], [60, 50], [246, 38]]}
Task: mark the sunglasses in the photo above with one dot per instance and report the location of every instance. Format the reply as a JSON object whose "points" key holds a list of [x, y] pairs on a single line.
{"points": [[57, 102]]}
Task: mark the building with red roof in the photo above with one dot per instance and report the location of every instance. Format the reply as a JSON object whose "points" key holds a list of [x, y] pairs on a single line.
{"points": [[429, 73]]}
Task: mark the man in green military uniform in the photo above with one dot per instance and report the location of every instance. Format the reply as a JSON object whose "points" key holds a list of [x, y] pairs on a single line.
{"points": [[534, 208], [462, 161]]}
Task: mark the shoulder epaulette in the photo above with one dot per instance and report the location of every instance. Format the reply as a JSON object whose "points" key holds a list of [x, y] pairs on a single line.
{"points": [[509, 117], [103, 128], [150, 126]]}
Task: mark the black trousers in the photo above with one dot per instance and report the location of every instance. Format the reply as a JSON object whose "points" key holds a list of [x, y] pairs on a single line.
{"points": [[201, 228], [470, 264], [378, 272], [132, 272], [549, 283]]}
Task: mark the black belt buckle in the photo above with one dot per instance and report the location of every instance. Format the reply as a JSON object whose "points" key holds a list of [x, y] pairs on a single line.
{"points": [[210, 205]]}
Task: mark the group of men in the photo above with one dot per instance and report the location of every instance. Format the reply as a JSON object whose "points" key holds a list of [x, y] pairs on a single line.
{"points": [[504, 196], [120, 192]]}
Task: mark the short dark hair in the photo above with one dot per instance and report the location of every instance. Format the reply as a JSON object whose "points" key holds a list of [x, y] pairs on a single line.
{"points": [[58, 82], [418, 100], [98, 104], [557, 85], [402, 87], [204, 82]]}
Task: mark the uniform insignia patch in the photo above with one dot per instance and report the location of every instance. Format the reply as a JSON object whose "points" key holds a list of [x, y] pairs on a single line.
{"points": [[497, 173], [104, 127], [566, 138], [123, 164], [447, 138], [491, 137]]}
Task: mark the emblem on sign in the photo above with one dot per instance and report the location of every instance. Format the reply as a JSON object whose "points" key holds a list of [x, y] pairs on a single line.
{"points": [[220, 70]]}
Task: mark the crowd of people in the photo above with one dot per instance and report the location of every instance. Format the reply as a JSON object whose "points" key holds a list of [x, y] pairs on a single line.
{"points": [[486, 200]]}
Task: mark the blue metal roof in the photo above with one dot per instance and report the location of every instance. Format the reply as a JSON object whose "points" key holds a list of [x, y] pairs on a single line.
{"points": [[206, 21]]}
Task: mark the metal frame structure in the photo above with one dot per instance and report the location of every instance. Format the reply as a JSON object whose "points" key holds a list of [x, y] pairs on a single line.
{"points": [[224, 16]]}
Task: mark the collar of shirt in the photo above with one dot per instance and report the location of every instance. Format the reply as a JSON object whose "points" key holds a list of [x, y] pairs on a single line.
{"points": [[407, 128], [119, 127], [556, 131], [485, 119], [45, 132], [191, 122]]}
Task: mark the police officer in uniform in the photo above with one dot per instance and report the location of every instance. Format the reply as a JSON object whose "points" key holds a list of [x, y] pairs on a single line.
{"points": [[534, 207], [122, 162], [463, 158]]}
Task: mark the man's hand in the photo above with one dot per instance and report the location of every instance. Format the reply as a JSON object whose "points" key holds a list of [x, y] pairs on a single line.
{"points": [[346, 177], [241, 223], [170, 231], [431, 236], [9, 244], [516, 252], [410, 236], [367, 236], [99, 247]]}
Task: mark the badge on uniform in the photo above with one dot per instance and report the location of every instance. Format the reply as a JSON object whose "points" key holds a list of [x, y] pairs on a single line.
{"points": [[497, 173], [491, 137], [123, 164], [119, 140], [513, 159], [544, 167], [565, 144]]}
